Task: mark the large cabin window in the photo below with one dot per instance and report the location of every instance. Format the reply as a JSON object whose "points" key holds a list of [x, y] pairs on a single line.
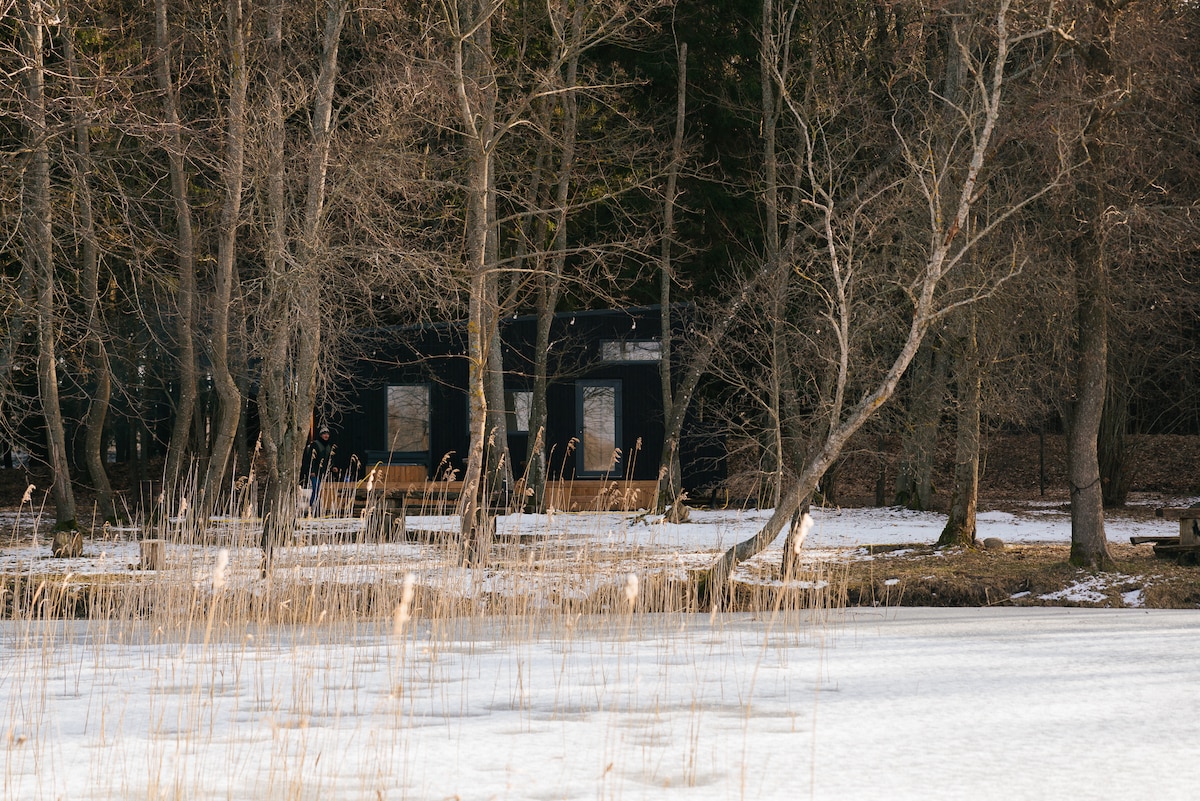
{"points": [[598, 405], [408, 418]]}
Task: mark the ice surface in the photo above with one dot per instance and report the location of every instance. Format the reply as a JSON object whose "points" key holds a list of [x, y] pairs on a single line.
{"points": [[900, 704], [897, 704]]}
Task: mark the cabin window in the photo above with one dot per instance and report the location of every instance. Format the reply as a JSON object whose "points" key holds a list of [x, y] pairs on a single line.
{"points": [[630, 350], [520, 404], [598, 405], [408, 418]]}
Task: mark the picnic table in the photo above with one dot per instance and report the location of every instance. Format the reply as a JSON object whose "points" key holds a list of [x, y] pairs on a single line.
{"points": [[1184, 547]]}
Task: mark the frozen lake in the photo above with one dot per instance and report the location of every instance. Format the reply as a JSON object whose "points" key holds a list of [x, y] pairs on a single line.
{"points": [[904, 703]]}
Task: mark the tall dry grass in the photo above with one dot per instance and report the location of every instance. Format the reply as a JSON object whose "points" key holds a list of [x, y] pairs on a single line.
{"points": [[203, 620]]}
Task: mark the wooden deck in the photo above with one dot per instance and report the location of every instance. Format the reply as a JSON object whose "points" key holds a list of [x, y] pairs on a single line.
{"points": [[393, 491]]}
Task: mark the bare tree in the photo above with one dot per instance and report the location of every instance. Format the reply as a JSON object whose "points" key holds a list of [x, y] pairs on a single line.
{"points": [[185, 253], [960, 523], [89, 267], [550, 279], [38, 240], [1121, 72], [293, 322], [948, 181], [233, 178], [485, 120]]}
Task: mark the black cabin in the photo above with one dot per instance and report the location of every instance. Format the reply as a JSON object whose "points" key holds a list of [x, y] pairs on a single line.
{"points": [[406, 402]]}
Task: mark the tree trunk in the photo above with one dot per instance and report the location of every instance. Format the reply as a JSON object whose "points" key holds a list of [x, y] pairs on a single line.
{"points": [[481, 318], [36, 225], [229, 399], [185, 255], [474, 75], [960, 527], [1085, 408], [1089, 546], [90, 284], [535, 230], [1112, 453], [537, 469], [552, 277], [289, 382], [499, 470], [670, 473], [928, 377]]}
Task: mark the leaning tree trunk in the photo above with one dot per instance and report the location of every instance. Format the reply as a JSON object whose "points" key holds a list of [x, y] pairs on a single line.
{"points": [[714, 584], [960, 527], [36, 224]]}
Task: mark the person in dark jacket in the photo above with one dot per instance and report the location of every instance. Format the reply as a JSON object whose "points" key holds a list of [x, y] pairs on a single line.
{"points": [[320, 460]]}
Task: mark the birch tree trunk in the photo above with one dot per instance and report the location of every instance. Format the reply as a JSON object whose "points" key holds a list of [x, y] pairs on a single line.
{"points": [[475, 85], [951, 196]]}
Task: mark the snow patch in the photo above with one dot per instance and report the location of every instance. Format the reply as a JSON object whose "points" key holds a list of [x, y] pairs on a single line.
{"points": [[1134, 598]]}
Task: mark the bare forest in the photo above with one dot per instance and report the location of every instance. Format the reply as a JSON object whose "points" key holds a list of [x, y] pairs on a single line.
{"points": [[901, 222]]}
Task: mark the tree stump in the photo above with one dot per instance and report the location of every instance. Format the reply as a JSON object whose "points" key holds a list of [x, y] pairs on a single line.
{"points": [[67, 544], [153, 554]]}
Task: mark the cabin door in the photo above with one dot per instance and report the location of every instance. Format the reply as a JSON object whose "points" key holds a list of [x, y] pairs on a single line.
{"points": [[598, 415]]}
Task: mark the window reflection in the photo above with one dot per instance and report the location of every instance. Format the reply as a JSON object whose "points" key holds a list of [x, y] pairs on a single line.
{"points": [[408, 417], [599, 428]]}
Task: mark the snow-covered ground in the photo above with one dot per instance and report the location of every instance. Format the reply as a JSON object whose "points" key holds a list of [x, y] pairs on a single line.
{"points": [[992, 703], [897, 704], [835, 533]]}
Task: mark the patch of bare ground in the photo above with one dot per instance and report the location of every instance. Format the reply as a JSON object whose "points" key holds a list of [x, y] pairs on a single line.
{"points": [[1019, 575]]}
